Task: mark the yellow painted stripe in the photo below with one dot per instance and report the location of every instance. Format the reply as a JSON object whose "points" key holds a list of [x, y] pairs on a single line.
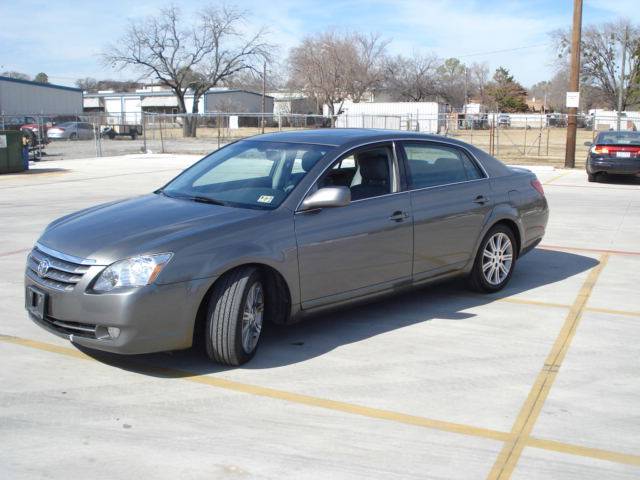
{"points": [[525, 301], [554, 446], [556, 177], [526, 419], [280, 394], [340, 406], [588, 250], [613, 312]]}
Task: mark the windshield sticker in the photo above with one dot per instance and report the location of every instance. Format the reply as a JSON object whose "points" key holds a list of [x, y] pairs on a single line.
{"points": [[265, 198]]}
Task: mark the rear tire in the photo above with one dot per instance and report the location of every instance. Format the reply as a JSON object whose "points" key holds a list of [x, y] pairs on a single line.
{"points": [[235, 317], [592, 177], [73, 136], [495, 260]]}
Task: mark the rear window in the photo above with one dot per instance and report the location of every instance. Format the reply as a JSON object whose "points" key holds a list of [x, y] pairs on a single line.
{"points": [[618, 138]]}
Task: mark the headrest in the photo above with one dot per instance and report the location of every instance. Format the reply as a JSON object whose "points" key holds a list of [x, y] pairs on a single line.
{"points": [[447, 163], [310, 158], [373, 166]]}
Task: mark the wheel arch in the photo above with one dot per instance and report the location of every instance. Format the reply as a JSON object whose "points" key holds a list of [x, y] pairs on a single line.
{"points": [[277, 290]]}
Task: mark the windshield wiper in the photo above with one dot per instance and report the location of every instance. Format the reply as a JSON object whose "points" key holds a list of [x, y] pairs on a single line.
{"points": [[208, 200]]}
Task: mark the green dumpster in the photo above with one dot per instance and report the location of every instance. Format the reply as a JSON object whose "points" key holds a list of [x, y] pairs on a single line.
{"points": [[11, 152]]}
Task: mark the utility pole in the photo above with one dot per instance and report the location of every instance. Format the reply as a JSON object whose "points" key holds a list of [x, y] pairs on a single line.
{"points": [[264, 92], [574, 84], [622, 66]]}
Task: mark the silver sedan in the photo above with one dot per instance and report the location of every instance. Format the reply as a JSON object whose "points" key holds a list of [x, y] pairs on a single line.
{"points": [[277, 227], [71, 131]]}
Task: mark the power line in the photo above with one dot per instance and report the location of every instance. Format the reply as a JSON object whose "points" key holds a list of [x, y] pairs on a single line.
{"points": [[504, 50]]}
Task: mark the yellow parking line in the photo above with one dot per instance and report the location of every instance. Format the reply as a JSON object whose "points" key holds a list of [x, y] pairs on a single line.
{"points": [[523, 426], [613, 312], [560, 447], [589, 250], [556, 177], [280, 394], [340, 406], [524, 301]]}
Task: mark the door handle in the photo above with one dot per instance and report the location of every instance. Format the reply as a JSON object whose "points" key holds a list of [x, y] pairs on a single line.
{"points": [[481, 199], [399, 216]]}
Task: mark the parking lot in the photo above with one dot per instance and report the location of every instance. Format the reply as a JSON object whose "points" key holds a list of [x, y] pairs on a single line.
{"points": [[538, 381]]}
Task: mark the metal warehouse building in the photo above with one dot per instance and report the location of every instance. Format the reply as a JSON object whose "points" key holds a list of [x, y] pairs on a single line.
{"points": [[23, 97]]}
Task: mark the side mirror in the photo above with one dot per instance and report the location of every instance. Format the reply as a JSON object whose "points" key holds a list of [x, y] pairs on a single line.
{"points": [[587, 144], [328, 197]]}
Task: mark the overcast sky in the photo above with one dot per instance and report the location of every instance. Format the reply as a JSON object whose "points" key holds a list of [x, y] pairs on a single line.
{"points": [[64, 38]]}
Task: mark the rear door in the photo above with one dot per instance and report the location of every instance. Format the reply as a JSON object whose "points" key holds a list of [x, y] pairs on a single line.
{"points": [[450, 200], [361, 248]]}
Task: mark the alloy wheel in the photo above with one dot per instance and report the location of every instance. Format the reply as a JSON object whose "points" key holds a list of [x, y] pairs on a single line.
{"points": [[497, 258], [252, 317]]}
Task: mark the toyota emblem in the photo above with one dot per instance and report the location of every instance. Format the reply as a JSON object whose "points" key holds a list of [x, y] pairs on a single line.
{"points": [[43, 268]]}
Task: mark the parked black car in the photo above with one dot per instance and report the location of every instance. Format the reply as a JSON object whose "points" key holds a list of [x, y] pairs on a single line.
{"points": [[615, 153]]}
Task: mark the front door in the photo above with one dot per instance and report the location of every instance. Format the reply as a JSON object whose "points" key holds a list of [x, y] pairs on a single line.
{"points": [[361, 248]]}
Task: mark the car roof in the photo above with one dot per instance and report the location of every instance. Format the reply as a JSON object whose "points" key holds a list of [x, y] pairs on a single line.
{"points": [[341, 136]]}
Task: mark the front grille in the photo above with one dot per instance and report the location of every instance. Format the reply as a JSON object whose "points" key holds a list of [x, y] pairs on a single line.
{"points": [[71, 328], [60, 274]]}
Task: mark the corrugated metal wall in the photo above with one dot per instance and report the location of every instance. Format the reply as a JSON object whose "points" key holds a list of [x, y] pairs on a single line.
{"points": [[18, 98]]}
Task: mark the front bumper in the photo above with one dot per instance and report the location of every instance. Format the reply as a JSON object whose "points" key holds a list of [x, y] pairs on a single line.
{"points": [[616, 166], [154, 318]]}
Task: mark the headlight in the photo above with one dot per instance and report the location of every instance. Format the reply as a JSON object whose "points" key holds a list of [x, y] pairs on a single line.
{"points": [[132, 272]]}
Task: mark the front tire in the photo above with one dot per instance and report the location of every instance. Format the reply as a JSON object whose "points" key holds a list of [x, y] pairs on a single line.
{"points": [[592, 177], [235, 317], [495, 260]]}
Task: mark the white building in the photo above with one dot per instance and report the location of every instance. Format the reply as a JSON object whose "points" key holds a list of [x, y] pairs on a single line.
{"points": [[23, 97], [292, 102], [127, 107], [429, 117], [608, 119]]}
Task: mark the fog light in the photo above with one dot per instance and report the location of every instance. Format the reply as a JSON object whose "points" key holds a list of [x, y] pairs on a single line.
{"points": [[114, 332]]}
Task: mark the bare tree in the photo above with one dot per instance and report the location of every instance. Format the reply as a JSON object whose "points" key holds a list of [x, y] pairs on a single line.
{"points": [[188, 57], [366, 68], [453, 82], [332, 67], [478, 74], [412, 78], [601, 60], [16, 75]]}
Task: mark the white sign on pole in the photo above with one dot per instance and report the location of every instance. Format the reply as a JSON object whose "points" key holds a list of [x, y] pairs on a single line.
{"points": [[573, 99], [233, 122], [3, 141]]}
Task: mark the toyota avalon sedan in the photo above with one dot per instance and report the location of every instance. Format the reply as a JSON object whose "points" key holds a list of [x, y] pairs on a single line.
{"points": [[613, 153], [277, 227]]}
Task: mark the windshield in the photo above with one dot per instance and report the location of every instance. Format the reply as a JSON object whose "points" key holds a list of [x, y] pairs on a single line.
{"points": [[248, 173], [618, 138]]}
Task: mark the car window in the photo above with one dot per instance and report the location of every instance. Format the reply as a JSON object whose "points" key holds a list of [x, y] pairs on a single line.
{"points": [[251, 174], [366, 172], [431, 165], [618, 138]]}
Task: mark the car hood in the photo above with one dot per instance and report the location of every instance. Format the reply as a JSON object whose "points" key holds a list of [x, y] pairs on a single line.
{"points": [[148, 224]]}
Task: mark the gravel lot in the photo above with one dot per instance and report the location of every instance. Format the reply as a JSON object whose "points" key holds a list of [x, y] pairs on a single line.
{"points": [[539, 381]]}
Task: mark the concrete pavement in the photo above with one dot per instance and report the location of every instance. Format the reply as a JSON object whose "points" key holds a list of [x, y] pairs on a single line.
{"points": [[539, 381]]}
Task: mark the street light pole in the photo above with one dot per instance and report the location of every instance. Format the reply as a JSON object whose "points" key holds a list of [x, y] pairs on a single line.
{"points": [[574, 85]]}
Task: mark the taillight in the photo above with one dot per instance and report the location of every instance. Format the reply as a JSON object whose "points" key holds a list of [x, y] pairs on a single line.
{"points": [[600, 150], [538, 186], [614, 149]]}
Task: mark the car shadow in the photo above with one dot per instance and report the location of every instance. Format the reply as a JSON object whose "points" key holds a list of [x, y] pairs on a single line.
{"points": [[322, 333], [619, 179]]}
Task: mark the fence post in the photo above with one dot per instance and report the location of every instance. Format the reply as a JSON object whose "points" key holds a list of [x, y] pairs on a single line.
{"points": [[162, 139], [540, 136], [525, 136], [144, 132]]}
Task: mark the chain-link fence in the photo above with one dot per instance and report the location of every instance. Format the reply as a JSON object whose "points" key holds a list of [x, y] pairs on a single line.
{"points": [[512, 137]]}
